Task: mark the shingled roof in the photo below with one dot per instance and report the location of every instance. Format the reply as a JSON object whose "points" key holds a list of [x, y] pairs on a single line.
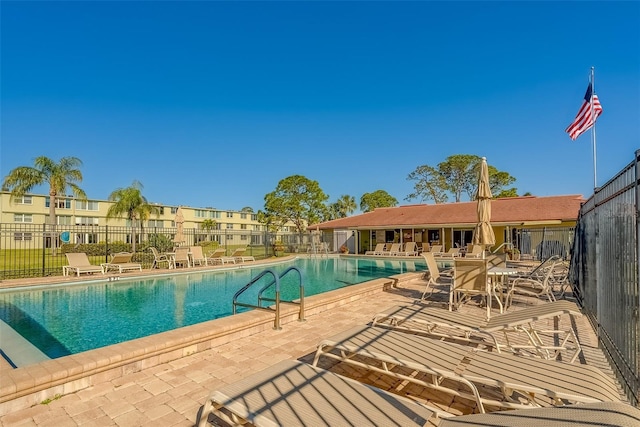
{"points": [[528, 210]]}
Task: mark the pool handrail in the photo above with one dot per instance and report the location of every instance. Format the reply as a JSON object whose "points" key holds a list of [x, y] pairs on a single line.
{"points": [[276, 281]]}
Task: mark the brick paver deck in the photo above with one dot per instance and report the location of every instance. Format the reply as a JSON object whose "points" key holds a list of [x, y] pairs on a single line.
{"points": [[171, 394]]}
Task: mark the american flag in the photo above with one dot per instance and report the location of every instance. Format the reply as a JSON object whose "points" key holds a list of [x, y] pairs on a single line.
{"points": [[584, 119]]}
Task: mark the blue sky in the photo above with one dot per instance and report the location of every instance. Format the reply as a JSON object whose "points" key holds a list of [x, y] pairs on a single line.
{"points": [[212, 103]]}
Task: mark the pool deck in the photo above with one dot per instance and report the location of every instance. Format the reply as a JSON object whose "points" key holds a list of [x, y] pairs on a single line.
{"points": [[171, 392]]}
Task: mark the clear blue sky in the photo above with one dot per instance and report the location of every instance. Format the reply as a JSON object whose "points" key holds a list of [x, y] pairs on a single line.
{"points": [[212, 103]]}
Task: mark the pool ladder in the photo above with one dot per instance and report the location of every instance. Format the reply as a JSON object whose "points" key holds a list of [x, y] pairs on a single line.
{"points": [[277, 300]]}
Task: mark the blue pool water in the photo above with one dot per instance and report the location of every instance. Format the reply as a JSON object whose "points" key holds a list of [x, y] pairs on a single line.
{"points": [[63, 320]]}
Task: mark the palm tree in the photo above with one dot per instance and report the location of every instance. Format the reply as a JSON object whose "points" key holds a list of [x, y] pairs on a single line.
{"points": [[60, 177], [130, 202]]}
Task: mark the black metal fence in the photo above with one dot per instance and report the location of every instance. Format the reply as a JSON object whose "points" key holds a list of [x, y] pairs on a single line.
{"points": [[30, 250], [604, 271]]}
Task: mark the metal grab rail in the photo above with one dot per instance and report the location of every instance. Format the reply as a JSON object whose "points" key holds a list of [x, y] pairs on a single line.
{"points": [[277, 300]]}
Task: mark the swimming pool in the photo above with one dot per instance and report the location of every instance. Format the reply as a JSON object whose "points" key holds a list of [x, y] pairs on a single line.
{"points": [[64, 320]]}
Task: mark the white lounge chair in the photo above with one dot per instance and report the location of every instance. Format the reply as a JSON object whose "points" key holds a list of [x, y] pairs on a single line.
{"points": [[121, 262], [501, 380], [584, 415], [377, 250], [79, 263], [197, 255], [473, 329], [292, 393], [238, 256]]}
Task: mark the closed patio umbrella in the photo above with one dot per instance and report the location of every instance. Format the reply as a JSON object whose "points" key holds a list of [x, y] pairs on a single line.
{"points": [[179, 220], [483, 233]]}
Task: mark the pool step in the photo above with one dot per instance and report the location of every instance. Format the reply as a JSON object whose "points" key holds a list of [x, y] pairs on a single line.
{"points": [[17, 350]]}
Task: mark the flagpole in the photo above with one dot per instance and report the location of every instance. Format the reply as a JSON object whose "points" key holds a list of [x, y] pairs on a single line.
{"points": [[593, 126]]}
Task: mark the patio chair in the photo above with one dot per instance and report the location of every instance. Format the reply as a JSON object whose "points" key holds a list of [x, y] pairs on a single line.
{"points": [[238, 256], [512, 327], [197, 255], [377, 250], [451, 253], [533, 286], [159, 258], [294, 393], [470, 279], [181, 256], [583, 415], [121, 262], [79, 263], [489, 379], [435, 277]]}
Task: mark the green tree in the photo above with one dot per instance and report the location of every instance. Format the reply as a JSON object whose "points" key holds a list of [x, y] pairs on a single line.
{"points": [[208, 225], [342, 207], [458, 174], [430, 184], [270, 222], [130, 203], [296, 199], [377, 199], [247, 209], [59, 176]]}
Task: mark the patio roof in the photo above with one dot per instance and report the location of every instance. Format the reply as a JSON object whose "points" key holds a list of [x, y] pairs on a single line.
{"points": [[515, 211]]}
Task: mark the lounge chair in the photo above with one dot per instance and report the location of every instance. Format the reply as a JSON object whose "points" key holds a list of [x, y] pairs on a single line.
{"points": [[394, 249], [238, 256], [159, 258], [197, 256], [79, 263], [121, 262], [435, 278], [292, 393], [497, 380], [472, 329], [603, 414], [451, 253], [475, 251], [410, 249], [217, 256], [377, 250], [436, 250]]}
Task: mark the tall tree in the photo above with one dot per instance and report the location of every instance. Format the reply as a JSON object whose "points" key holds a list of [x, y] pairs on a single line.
{"points": [[377, 199], [130, 202], [458, 174], [59, 176], [342, 207], [296, 199]]}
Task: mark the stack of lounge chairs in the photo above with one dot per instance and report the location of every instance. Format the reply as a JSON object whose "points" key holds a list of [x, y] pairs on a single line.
{"points": [[445, 352]]}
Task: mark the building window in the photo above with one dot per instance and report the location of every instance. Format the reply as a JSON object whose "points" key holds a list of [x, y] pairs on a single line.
{"points": [[155, 223], [86, 220], [60, 203], [27, 218], [24, 200], [229, 226], [175, 211], [22, 236], [64, 219], [243, 226], [86, 205], [256, 227], [243, 215], [229, 214], [254, 217], [243, 237], [230, 238]]}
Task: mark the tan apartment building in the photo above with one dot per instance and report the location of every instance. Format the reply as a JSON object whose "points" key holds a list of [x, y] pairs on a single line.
{"points": [[33, 209]]}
